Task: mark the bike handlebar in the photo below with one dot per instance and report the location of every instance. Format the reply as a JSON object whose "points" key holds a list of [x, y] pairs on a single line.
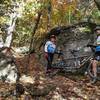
{"points": [[91, 45]]}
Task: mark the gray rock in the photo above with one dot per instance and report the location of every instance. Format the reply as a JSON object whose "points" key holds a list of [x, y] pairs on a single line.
{"points": [[8, 70]]}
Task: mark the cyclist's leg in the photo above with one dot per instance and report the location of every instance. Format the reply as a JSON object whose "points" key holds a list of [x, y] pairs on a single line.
{"points": [[95, 63], [94, 67], [49, 61], [52, 55]]}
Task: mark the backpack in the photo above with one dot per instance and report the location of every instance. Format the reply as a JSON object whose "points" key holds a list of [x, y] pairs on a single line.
{"points": [[97, 49], [50, 48]]}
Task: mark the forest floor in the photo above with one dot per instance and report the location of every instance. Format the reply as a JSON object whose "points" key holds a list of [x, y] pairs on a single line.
{"points": [[58, 87]]}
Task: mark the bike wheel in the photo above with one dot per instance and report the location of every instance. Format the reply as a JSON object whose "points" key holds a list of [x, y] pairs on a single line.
{"points": [[90, 72]]}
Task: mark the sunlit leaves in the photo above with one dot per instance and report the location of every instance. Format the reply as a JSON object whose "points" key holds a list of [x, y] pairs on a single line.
{"points": [[3, 20], [63, 12], [96, 15], [60, 12]]}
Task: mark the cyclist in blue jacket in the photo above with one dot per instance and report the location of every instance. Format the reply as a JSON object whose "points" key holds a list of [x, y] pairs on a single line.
{"points": [[50, 48], [97, 54]]}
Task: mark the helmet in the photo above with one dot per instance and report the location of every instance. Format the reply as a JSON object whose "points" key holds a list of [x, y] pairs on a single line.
{"points": [[53, 36], [97, 28]]}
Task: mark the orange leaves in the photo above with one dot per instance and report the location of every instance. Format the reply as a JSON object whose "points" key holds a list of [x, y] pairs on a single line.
{"points": [[65, 5]]}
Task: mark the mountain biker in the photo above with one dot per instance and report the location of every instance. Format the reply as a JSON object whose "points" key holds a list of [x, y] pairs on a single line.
{"points": [[49, 50], [97, 54]]}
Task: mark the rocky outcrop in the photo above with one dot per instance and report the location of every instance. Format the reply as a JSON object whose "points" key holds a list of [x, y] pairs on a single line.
{"points": [[8, 69], [75, 37]]}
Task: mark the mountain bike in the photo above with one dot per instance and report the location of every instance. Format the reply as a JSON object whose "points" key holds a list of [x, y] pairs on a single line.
{"points": [[76, 63]]}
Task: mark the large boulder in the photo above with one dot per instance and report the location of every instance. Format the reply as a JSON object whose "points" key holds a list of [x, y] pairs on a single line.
{"points": [[8, 69], [75, 37]]}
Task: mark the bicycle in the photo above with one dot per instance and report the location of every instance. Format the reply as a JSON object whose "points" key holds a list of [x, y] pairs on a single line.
{"points": [[77, 64], [73, 64]]}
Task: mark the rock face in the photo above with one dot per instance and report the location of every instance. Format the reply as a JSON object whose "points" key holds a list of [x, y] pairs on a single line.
{"points": [[73, 42], [74, 38], [8, 70]]}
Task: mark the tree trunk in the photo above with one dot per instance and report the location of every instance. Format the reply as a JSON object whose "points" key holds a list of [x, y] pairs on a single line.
{"points": [[97, 3], [10, 30]]}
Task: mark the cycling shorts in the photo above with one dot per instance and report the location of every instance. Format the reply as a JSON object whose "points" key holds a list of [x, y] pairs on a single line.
{"points": [[97, 56]]}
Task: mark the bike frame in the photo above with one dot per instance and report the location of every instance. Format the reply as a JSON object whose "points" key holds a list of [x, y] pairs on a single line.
{"points": [[77, 63]]}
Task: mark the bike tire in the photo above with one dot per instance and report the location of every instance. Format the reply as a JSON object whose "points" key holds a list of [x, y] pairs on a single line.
{"points": [[90, 71]]}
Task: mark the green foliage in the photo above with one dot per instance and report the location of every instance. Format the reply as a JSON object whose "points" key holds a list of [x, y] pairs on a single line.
{"points": [[96, 15], [62, 13]]}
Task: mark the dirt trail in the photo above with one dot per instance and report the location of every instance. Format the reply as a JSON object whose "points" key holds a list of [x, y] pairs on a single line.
{"points": [[58, 87]]}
